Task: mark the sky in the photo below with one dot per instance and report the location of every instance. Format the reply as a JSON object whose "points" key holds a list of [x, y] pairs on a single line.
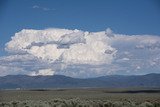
{"points": [[42, 33]]}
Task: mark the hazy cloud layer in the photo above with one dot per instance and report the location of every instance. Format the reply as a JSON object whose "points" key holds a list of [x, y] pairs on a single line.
{"points": [[80, 54]]}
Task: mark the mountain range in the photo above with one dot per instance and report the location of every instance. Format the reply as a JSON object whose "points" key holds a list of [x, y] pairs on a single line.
{"points": [[60, 81]]}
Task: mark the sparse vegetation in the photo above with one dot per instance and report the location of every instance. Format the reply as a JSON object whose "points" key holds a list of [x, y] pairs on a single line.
{"points": [[77, 98], [77, 103]]}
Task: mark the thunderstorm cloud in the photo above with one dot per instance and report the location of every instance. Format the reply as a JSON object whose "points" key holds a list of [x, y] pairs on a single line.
{"points": [[79, 53]]}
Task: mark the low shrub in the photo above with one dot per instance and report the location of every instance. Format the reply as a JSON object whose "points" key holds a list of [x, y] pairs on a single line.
{"points": [[78, 103]]}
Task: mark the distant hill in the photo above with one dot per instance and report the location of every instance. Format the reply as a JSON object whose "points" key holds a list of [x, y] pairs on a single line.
{"points": [[60, 81]]}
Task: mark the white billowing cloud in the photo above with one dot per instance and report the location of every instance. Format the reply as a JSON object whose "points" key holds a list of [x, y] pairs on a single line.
{"points": [[69, 46], [79, 53], [22, 40], [43, 72], [92, 52], [47, 52], [82, 53], [72, 38]]}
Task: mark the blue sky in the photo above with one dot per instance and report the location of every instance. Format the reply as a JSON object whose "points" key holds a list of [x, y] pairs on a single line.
{"points": [[127, 17], [123, 16]]}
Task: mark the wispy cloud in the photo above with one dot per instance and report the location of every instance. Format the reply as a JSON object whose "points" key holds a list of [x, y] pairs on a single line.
{"points": [[35, 7], [42, 8]]}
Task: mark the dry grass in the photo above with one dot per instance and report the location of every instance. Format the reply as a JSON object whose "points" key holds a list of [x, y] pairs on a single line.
{"points": [[78, 98]]}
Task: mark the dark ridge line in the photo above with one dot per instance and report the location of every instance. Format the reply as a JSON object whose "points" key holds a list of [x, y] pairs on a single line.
{"points": [[134, 91]]}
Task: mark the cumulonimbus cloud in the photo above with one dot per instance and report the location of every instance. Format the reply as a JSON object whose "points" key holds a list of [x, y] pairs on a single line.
{"points": [[68, 46], [79, 53]]}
